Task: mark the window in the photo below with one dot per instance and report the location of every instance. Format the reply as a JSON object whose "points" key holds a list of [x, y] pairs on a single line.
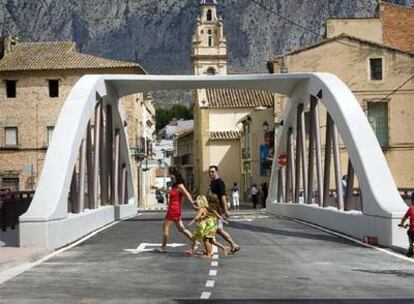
{"points": [[11, 88], [375, 68], [11, 183], [378, 119], [10, 136], [210, 38], [53, 88], [209, 15], [211, 71], [50, 130]]}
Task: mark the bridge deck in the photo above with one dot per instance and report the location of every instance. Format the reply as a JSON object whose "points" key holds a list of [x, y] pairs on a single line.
{"points": [[279, 259]]}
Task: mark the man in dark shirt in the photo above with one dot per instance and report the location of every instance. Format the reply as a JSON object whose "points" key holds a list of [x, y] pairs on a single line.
{"points": [[218, 188]]}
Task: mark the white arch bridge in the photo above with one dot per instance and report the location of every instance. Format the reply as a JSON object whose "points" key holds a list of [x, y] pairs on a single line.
{"points": [[90, 147]]}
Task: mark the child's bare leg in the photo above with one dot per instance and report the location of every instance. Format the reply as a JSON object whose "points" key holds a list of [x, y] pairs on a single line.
{"points": [[190, 251], [219, 245], [207, 247]]}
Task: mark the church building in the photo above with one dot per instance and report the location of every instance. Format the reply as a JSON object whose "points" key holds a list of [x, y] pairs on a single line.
{"points": [[218, 112]]}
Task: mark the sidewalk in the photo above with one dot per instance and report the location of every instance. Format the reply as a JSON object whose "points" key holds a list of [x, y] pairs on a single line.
{"points": [[11, 255]]}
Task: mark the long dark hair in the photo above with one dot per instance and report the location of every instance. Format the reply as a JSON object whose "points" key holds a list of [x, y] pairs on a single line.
{"points": [[178, 177]]}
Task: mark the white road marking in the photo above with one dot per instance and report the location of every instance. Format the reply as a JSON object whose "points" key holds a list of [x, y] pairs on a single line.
{"points": [[18, 270], [355, 241], [215, 257], [214, 264], [212, 272], [241, 220], [210, 283], [215, 250], [142, 247], [205, 295]]}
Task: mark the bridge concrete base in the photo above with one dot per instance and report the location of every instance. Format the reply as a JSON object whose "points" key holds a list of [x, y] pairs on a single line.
{"points": [[351, 223], [58, 233]]}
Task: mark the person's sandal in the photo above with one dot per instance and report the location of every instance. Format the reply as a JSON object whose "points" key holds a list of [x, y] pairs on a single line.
{"points": [[235, 250], [160, 250]]}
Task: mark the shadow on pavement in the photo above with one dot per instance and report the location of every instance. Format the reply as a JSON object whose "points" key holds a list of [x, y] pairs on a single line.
{"points": [[397, 273], [280, 232]]}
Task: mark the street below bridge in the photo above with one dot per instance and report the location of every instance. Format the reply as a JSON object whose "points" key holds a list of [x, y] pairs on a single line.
{"points": [[280, 261]]}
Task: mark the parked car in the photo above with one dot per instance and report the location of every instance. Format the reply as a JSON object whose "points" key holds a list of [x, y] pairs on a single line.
{"points": [[5, 194]]}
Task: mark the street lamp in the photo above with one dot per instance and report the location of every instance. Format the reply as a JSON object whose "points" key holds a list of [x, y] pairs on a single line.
{"points": [[265, 126]]}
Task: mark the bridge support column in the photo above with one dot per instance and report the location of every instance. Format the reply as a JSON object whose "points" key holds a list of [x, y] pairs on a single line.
{"points": [[115, 173], [337, 165], [290, 167], [327, 165], [304, 162], [82, 175], [89, 167], [349, 185], [97, 154]]}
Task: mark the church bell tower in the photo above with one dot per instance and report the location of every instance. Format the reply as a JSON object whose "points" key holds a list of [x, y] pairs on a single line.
{"points": [[209, 46]]}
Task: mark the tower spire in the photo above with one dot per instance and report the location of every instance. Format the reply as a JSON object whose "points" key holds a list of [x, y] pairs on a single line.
{"points": [[209, 50]]}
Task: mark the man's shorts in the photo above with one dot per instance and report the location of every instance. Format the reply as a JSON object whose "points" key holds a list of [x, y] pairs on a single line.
{"points": [[411, 234]]}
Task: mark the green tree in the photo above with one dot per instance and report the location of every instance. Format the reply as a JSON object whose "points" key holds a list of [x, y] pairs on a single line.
{"points": [[163, 116]]}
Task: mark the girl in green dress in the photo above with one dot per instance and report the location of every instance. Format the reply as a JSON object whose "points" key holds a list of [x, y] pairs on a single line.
{"points": [[207, 225]]}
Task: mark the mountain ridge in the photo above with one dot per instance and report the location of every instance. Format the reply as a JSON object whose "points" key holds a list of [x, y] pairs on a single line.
{"points": [[157, 33]]}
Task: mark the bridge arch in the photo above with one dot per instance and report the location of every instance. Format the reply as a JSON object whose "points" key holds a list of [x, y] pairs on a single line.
{"points": [[47, 222]]}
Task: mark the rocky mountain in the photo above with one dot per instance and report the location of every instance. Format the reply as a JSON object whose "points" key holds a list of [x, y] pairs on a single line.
{"points": [[157, 33]]}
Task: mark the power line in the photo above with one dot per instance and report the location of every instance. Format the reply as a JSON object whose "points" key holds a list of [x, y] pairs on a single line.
{"points": [[260, 4], [378, 101], [304, 28]]}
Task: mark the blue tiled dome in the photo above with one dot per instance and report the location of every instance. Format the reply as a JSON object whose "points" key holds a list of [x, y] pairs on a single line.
{"points": [[208, 2]]}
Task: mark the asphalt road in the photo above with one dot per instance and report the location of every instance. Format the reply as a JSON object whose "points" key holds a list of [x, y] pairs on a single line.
{"points": [[280, 261]]}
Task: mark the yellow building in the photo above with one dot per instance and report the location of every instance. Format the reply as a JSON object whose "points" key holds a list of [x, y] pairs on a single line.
{"points": [[36, 79], [257, 147], [379, 75], [217, 112]]}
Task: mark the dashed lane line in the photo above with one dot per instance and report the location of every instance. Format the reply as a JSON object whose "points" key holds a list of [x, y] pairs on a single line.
{"points": [[210, 283], [205, 295], [212, 273]]}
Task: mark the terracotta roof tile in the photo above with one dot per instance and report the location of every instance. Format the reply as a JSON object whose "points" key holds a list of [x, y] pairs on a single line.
{"points": [[232, 98], [58, 55], [224, 135]]}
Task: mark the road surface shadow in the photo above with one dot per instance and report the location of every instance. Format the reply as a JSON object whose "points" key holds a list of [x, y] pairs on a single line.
{"points": [[397, 273], [284, 232]]}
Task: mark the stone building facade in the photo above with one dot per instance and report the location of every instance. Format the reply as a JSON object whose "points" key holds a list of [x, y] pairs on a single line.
{"points": [[36, 78], [380, 77], [140, 116]]}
